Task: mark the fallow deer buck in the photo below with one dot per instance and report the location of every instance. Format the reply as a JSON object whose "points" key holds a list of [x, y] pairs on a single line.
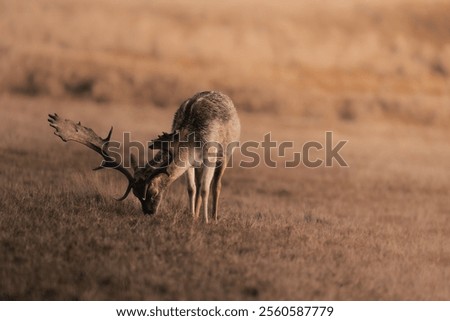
{"points": [[206, 118]]}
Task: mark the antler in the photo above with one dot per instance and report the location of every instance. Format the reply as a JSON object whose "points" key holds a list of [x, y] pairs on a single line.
{"points": [[163, 141], [68, 130]]}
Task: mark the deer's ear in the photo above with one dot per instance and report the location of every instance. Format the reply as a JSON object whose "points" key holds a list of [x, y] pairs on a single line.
{"points": [[163, 141]]}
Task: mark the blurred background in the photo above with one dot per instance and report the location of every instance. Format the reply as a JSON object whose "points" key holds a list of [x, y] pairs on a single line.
{"points": [[349, 60]]}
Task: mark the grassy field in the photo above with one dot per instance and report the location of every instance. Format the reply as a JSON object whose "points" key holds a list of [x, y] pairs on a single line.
{"points": [[376, 75]]}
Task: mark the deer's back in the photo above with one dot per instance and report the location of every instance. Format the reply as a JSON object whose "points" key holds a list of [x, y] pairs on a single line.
{"points": [[210, 115]]}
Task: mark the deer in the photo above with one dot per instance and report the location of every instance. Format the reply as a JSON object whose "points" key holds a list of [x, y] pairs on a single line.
{"points": [[205, 130]]}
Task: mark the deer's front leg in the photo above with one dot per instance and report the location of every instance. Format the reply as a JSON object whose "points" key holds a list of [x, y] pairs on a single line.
{"points": [[217, 187]]}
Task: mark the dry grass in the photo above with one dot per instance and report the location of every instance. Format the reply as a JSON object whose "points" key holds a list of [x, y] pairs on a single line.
{"points": [[375, 74], [377, 230]]}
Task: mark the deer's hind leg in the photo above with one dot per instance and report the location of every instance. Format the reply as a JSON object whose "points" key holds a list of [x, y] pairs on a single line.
{"points": [[205, 185], [198, 196], [217, 185], [191, 188]]}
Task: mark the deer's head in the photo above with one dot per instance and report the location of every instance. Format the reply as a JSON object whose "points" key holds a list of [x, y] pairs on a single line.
{"points": [[147, 183]]}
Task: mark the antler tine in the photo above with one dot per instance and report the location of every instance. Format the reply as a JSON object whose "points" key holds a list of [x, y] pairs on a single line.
{"points": [[129, 187], [68, 130], [108, 138]]}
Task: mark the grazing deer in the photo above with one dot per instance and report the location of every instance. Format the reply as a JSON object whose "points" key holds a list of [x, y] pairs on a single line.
{"points": [[208, 118]]}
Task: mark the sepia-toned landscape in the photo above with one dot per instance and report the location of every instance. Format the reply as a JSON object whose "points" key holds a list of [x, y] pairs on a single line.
{"points": [[376, 74]]}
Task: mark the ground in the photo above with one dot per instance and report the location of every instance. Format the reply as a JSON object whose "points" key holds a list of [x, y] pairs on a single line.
{"points": [[376, 76]]}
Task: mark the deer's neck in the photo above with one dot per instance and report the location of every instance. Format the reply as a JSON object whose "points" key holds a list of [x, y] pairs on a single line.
{"points": [[175, 171]]}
